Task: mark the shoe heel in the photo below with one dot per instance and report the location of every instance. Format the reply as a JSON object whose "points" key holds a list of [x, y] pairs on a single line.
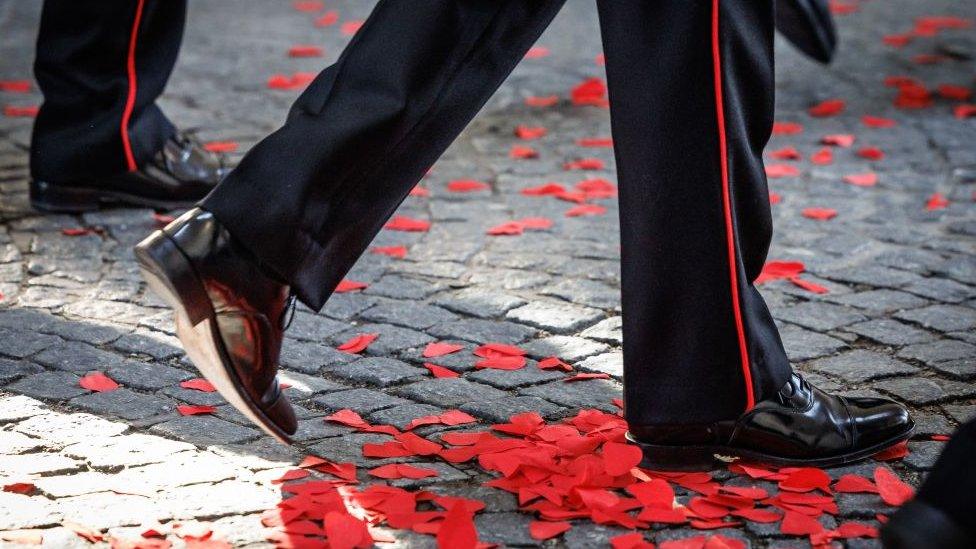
{"points": [[59, 199], [171, 276], [676, 458]]}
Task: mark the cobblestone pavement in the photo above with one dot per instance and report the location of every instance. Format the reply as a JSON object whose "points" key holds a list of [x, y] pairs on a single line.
{"points": [[897, 320]]}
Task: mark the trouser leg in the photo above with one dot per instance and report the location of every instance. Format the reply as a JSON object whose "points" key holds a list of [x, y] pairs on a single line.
{"points": [[691, 93], [308, 199], [101, 64]]}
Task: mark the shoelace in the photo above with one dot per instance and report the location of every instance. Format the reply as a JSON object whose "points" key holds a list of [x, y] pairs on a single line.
{"points": [[289, 311]]}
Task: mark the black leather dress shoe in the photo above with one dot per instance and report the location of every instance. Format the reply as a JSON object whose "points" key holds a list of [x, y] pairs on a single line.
{"points": [[808, 25], [178, 176], [230, 315], [800, 426]]}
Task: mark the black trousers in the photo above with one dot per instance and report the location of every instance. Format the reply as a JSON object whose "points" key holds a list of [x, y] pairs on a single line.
{"points": [[101, 64], [691, 91]]}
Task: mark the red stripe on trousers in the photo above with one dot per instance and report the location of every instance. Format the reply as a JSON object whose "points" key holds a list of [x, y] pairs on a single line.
{"points": [[727, 206], [130, 100]]}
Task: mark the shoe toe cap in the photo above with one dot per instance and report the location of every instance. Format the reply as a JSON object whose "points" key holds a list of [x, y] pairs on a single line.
{"points": [[878, 420]]}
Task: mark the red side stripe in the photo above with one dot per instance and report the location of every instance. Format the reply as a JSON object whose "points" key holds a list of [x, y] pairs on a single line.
{"points": [[727, 206], [130, 100]]}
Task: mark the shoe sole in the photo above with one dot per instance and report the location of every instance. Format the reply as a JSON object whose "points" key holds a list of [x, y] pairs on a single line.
{"points": [[705, 458], [196, 324], [68, 199]]}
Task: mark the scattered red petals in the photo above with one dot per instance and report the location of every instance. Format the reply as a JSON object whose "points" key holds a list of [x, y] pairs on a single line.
{"points": [[195, 410], [871, 153], [867, 179], [403, 223], [19, 487], [547, 101], [830, 107], [296, 81], [785, 153], [936, 202], [595, 142], [592, 91], [892, 453], [891, 488], [308, 5], [398, 252], [292, 474], [15, 86], [305, 50], [822, 214], [350, 28], [529, 132], [451, 418], [787, 128], [467, 186], [220, 146], [437, 348], [522, 152], [98, 382], [822, 157], [401, 470], [585, 209], [587, 375], [198, 384], [788, 270], [327, 19], [440, 371], [585, 164], [458, 530], [877, 122], [543, 530], [346, 286], [853, 484], [838, 140], [776, 171], [554, 363], [358, 344], [955, 92], [25, 111], [537, 52]]}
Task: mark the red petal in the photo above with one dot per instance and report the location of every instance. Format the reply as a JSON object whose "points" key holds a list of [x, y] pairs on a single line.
{"points": [[26, 111], [188, 410], [806, 479], [308, 5], [591, 91], [467, 186], [936, 202], [327, 19], [494, 349], [775, 171], [547, 101], [852, 483], [786, 128], [15, 86], [358, 343], [585, 376], [529, 132], [220, 146], [554, 363], [293, 474], [350, 286], [595, 142], [440, 371], [798, 524], [871, 153], [877, 122], [838, 139], [809, 286], [620, 458], [198, 384], [829, 107], [536, 52], [98, 382], [891, 488], [19, 487], [304, 50], [586, 209], [822, 157], [350, 28], [867, 179], [458, 530], [542, 530], [402, 223], [440, 349], [392, 251], [501, 362]]}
